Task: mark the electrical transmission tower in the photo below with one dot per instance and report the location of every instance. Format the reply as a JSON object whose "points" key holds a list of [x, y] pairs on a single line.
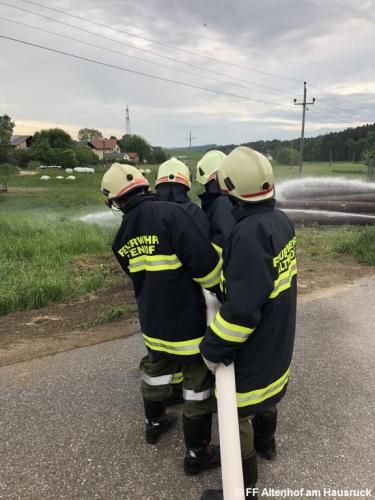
{"points": [[190, 139], [304, 105], [127, 121]]}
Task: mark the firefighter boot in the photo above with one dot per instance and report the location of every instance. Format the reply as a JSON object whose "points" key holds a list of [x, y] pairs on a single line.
{"points": [[250, 477], [200, 455], [264, 425], [157, 422]]}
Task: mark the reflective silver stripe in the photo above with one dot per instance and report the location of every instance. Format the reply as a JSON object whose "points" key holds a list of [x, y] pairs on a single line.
{"points": [[161, 380], [153, 263], [285, 280], [189, 347], [212, 280], [190, 395], [227, 331]]}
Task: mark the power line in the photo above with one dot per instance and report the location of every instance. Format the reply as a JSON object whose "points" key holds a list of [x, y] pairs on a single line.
{"points": [[162, 44], [114, 51], [148, 75], [125, 44]]}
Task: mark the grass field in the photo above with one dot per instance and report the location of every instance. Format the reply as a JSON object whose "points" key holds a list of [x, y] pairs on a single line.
{"points": [[48, 256]]}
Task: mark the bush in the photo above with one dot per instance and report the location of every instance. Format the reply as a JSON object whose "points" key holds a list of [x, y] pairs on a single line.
{"points": [[287, 156], [33, 165], [7, 169], [22, 157]]}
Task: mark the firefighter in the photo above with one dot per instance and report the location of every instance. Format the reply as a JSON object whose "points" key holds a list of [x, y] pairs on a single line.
{"points": [[215, 205], [173, 184], [255, 326], [169, 259]]}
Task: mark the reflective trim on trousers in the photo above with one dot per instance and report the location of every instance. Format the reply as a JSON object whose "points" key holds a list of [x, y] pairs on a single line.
{"points": [[211, 279], [177, 378], [160, 380], [190, 395], [229, 331], [259, 395], [183, 348], [154, 263]]}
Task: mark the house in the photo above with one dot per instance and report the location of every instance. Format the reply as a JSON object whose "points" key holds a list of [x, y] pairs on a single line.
{"points": [[21, 141], [132, 157], [102, 147]]}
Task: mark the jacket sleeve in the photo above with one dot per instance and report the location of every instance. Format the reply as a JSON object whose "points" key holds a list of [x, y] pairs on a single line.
{"points": [[194, 250], [116, 246], [249, 280], [222, 222]]}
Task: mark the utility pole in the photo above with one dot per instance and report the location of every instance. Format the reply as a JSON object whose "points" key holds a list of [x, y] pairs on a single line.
{"points": [[190, 138], [304, 105], [127, 121]]}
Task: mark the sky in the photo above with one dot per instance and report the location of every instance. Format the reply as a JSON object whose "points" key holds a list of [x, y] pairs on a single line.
{"points": [[250, 58]]}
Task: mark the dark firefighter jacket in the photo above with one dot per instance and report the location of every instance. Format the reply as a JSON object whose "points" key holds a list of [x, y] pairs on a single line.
{"points": [[255, 325], [218, 210], [177, 193], [169, 259]]}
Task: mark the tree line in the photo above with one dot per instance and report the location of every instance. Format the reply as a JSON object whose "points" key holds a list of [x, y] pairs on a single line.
{"points": [[56, 147], [353, 144]]}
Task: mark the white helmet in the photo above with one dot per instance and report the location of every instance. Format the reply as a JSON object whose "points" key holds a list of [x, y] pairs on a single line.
{"points": [[208, 165], [175, 171], [120, 180], [247, 175]]}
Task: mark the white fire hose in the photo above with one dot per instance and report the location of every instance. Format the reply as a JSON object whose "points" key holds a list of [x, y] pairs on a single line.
{"points": [[230, 449]]}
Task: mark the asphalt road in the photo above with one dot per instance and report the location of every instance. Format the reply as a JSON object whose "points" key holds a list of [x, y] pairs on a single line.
{"points": [[71, 425]]}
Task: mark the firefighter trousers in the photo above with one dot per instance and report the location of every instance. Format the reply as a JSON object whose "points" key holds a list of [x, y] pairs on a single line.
{"points": [[246, 425], [157, 373]]}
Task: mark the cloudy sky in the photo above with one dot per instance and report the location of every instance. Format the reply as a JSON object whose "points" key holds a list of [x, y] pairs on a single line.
{"points": [[253, 56]]}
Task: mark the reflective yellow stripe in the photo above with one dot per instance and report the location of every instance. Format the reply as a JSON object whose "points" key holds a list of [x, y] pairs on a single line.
{"points": [[211, 279], [217, 248], [154, 263], [229, 331], [222, 282], [284, 281], [183, 348], [259, 395], [177, 378]]}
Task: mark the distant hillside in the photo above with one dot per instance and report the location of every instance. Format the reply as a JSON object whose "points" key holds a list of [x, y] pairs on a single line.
{"points": [[351, 144]]}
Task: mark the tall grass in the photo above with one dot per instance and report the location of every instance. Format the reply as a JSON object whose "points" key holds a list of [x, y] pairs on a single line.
{"points": [[360, 244], [37, 258]]}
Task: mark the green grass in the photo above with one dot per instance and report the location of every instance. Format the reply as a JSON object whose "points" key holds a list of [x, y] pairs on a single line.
{"points": [[38, 259], [113, 314], [316, 242]]}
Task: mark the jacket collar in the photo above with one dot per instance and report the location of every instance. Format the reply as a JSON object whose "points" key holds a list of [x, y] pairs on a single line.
{"points": [[243, 211], [138, 200]]}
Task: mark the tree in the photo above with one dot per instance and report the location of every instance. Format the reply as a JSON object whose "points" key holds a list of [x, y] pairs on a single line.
{"points": [[55, 137], [159, 155], [287, 156], [6, 131], [131, 143], [22, 157], [68, 159], [87, 134], [85, 156]]}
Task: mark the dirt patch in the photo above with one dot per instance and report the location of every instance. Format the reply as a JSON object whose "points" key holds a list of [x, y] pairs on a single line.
{"points": [[29, 334], [26, 335]]}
